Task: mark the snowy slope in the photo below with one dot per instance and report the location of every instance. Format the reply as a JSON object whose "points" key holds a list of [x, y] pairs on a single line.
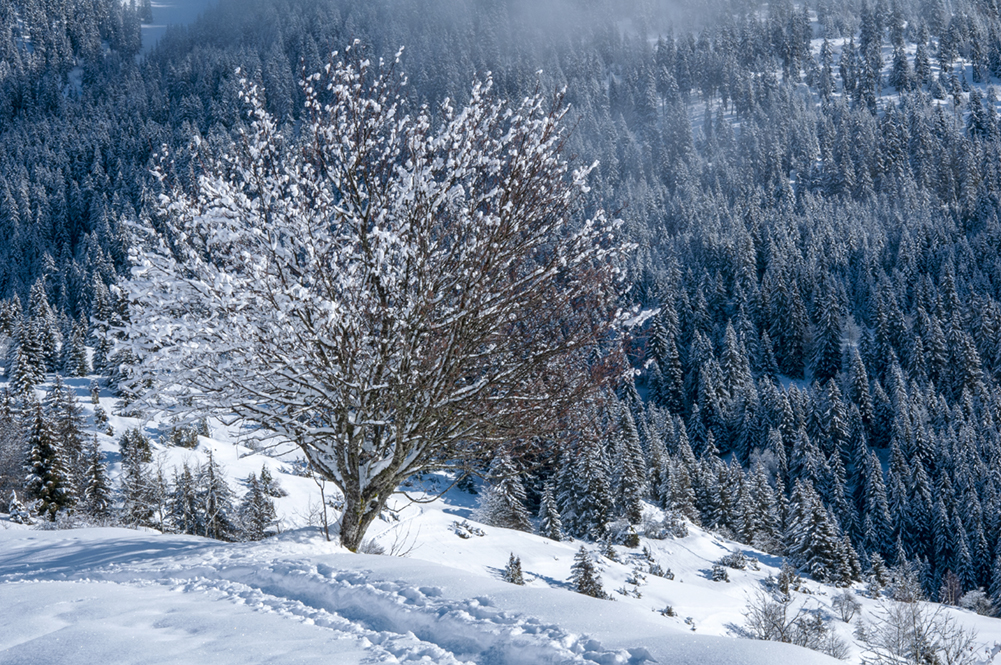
{"points": [[115, 595], [112, 595]]}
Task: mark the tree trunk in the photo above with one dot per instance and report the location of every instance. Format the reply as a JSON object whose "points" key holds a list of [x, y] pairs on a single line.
{"points": [[359, 512]]}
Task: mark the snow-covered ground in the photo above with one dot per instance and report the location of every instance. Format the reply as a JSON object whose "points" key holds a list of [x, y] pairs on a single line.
{"points": [[113, 595]]}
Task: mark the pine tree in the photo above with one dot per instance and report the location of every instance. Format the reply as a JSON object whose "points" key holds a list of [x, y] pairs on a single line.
{"points": [[995, 587], [66, 417], [512, 571], [503, 501], [135, 447], [827, 354], [550, 524], [215, 502], [585, 497], [47, 479], [584, 576], [269, 485], [628, 475], [184, 514], [257, 511], [18, 513], [140, 495], [98, 495]]}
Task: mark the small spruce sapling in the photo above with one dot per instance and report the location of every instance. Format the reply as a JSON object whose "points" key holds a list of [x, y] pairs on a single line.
{"points": [[584, 576], [512, 571]]}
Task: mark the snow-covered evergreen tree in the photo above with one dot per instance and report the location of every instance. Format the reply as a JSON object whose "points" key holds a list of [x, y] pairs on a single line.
{"points": [[98, 496], [502, 502], [550, 524], [47, 480], [584, 576], [257, 511], [215, 502], [512, 571]]}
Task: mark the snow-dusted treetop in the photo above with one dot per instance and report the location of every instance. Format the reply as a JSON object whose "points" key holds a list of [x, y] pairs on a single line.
{"points": [[392, 291]]}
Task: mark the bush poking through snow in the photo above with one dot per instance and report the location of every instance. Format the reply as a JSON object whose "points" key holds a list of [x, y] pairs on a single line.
{"points": [[584, 576], [773, 618], [18, 513], [465, 530], [371, 547], [512, 571], [738, 561], [672, 526], [668, 611], [846, 605], [914, 633], [979, 602], [719, 574]]}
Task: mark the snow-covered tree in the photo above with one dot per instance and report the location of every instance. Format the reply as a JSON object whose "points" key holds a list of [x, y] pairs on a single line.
{"points": [[47, 476], [97, 495], [215, 502], [512, 571], [584, 576], [257, 511], [550, 524], [394, 292], [502, 502]]}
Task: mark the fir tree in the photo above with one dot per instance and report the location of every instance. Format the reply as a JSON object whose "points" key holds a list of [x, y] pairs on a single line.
{"points": [[512, 571], [215, 502], [183, 503], [584, 576], [628, 476], [47, 478], [270, 485], [98, 495], [550, 524], [257, 511], [503, 501]]}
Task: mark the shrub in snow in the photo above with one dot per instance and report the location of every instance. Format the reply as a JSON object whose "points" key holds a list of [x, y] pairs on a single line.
{"points": [[719, 574], [512, 571], [979, 602], [584, 576], [668, 611], [464, 529], [671, 526], [371, 547], [183, 436], [846, 605], [736, 560], [776, 619], [915, 633], [18, 513]]}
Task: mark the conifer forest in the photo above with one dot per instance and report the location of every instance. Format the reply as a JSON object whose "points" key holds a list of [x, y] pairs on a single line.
{"points": [[798, 211]]}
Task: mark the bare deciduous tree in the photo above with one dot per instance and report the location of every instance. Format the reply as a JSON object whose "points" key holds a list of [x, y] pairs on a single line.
{"points": [[774, 618], [392, 292], [914, 633]]}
